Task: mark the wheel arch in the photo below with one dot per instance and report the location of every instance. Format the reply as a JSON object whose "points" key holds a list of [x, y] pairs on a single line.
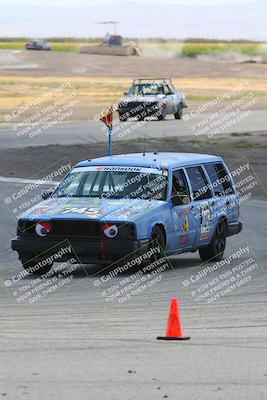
{"points": [[161, 226], [223, 218]]}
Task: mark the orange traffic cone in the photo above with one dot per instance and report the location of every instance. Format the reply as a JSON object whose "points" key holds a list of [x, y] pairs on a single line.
{"points": [[174, 326]]}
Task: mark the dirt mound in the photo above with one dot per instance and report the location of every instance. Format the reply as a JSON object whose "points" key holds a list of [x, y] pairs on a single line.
{"points": [[42, 63]]}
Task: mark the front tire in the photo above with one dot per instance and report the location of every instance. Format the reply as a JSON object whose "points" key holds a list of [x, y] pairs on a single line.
{"points": [[30, 264], [179, 112], [215, 250], [157, 239], [122, 118], [162, 115]]}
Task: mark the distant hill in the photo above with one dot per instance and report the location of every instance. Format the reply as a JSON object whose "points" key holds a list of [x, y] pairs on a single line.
{"points": [[228, 21]]}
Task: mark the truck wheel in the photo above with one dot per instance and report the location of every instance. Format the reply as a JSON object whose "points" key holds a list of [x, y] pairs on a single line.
{"points": [[162, 115], [214, 251], [179, 113], [30, 263]]}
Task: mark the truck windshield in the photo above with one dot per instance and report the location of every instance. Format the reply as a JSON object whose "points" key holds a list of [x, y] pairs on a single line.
{"points": [[109, 182], [149, 89]]}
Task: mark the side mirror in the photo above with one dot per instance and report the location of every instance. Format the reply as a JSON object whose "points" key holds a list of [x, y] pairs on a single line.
{"points": [[46, 194], [180, 200]]}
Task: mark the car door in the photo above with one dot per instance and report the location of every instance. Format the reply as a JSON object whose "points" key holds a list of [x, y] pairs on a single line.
{"points": [[203, 204], [169, 98], [184, 227], [226, 201]]}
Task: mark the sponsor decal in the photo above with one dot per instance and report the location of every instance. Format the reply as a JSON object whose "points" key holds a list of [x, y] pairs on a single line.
{"points": [[110, 230], [43, 228], [184, 239], [204, 235], [39, 210], [143, 170], [91, 212], [185, 227], [205, 220]]}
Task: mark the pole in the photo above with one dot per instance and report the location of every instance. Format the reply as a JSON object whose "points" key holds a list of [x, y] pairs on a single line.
{"points": [[110, 141]]}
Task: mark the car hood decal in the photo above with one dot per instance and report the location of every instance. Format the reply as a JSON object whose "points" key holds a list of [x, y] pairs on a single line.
{"points": [[91, 209]]}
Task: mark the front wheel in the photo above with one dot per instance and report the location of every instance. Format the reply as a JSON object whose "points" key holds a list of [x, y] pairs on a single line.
{"points": [[156, 242], [162, 114], [179, 112], [33, 266], [122, 118], [214, 251]]}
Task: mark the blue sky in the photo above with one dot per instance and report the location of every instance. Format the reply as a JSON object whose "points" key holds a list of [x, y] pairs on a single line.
{"points": [[222, 19], [78, 3]]}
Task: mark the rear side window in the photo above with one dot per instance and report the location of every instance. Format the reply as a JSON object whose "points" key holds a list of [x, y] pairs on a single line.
{"points": [[220, 179], [199, 183]]}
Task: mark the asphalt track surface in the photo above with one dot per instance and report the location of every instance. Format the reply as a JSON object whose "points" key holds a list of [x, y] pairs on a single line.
{"points": [[67, 133], [73, 344]]}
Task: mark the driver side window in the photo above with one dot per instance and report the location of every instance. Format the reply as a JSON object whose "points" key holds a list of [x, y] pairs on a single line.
{"points": [[168, 90], [179, 184]]}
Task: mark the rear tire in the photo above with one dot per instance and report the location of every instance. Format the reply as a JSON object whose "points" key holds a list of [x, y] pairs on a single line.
{"points": [[30, 263], [179, 112], [215, 250]]}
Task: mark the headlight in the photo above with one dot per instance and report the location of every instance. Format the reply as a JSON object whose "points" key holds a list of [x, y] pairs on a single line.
{"points": [[119, 230]]}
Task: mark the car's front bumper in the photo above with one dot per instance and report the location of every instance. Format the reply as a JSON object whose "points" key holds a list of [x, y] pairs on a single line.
{"points": [[140, 110], [83, 250]]}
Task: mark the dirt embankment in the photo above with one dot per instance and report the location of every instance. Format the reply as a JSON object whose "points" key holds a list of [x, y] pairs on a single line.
{"points": [[28, 162]]}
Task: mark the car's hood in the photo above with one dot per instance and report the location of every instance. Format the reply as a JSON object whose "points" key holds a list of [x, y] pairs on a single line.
{"points": [[91, 209], [142, 99]]}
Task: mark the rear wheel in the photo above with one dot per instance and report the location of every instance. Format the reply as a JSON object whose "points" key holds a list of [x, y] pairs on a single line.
{"points": [[179, 112], [32, 265], [214, 251]]}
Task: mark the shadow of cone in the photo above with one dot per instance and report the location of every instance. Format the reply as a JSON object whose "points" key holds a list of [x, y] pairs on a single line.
{"points": [[174, 326]]}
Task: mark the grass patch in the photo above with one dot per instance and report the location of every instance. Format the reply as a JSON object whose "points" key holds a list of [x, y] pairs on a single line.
{"points": [[244, 144], [156, 47], [238, 134], [56, 46], [192, 50], [96, 93]]}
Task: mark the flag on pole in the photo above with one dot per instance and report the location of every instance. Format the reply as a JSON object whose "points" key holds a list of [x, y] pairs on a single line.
{"points": [[107, 117]]}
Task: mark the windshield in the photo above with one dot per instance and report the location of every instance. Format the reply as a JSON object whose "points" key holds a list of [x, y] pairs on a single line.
{"points": [[149, 89], [114, 182]]}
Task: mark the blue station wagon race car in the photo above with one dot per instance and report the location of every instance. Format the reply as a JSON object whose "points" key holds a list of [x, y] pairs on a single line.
{"points": [[110, 207]]}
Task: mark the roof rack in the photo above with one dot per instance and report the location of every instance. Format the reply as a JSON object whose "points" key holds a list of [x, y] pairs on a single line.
{"points": [[164, 80]]}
